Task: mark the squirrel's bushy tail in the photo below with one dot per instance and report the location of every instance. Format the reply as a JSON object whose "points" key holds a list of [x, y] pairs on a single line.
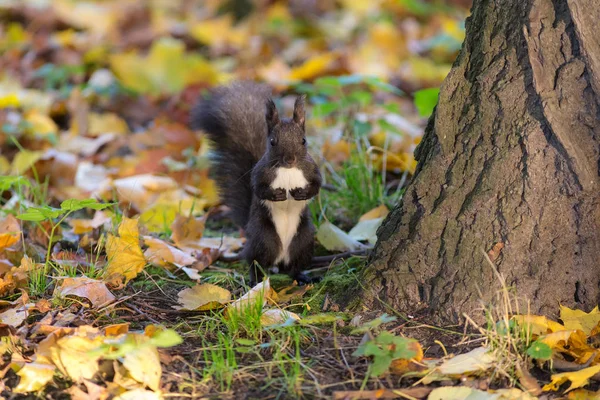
{"points": [[233, 117]]}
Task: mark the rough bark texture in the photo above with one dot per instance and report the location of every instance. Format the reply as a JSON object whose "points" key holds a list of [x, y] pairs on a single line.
{"points": [[511, 156]]}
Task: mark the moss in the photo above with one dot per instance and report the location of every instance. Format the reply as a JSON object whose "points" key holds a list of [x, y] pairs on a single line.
{"points": [[340, 286]]}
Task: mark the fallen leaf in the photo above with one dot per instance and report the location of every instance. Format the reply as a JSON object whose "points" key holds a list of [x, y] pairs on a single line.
{"points": [[187, 229], [163, 254], [203, 297], [277, 316], [166, 68], [34, 376], [578, 319], [578, 378], [334, 239], [467, 393], [81, 226], [257, 295], [378, 212], [10, 231], [538, 325], [287, 294], [15, 316], [124, 254], [366, 230], [93, 290], [143, 364], [139, 394], [476, 360]]}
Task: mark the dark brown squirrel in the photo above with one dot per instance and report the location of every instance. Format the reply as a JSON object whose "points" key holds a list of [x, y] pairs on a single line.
{"points": [[264, 173]]}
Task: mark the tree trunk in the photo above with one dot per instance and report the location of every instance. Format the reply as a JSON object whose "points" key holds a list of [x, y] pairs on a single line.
{"points": [[509, 165]]}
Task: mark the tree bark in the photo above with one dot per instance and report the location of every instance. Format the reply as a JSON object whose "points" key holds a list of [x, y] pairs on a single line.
{"points": [[509, 164]]}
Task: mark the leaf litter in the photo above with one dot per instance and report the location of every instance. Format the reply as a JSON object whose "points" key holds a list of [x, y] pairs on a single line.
{"points": [[108, 257]]}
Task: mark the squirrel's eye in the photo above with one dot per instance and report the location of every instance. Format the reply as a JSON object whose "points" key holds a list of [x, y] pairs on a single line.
{"points": [[273, 142], [303, 140]]}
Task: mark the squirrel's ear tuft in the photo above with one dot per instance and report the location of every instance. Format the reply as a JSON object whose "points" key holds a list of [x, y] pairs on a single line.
{"points": [[272, 115], [299, 112]]}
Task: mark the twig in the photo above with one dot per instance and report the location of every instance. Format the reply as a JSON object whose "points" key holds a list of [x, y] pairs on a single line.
{"points": [[141, 312], [320, 260]]}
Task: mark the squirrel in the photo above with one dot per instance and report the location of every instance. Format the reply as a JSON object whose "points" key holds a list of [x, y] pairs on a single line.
{"points": [[264, 174]]}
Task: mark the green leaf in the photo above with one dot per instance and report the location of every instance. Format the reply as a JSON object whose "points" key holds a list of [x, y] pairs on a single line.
{"points": [[328, 81], [539, 350], [403, 349], [38, 214], [246, 342], [383, 319], [324, 109], [380, 365], [74, 204], [6, 182], [362, 97], [166, 338], [425, 100], [362, 128]]}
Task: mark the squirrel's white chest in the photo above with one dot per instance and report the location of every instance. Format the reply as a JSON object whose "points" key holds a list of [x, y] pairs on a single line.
{"points": [[286, 214]]}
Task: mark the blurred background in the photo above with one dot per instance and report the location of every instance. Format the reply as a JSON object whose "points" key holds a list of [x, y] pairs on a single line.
{"points": [[93, 92]]}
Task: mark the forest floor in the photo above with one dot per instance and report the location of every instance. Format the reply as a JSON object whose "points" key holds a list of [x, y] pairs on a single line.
{"points": [[111, 231]]}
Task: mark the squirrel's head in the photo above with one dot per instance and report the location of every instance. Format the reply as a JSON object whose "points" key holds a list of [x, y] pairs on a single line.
{"points": [[286, 139]]}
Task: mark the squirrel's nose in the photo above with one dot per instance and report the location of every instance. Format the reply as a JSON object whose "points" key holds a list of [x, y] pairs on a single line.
{"points": [[289, 160]]}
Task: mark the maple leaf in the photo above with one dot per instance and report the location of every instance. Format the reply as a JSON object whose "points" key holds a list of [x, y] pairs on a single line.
{"points": [[125, 257]]}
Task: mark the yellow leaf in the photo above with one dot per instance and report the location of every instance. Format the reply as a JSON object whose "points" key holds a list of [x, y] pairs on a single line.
{"points": [[9, 100], [582, 394], [40, 124], [72, 355], [556, 338], [97, 17], [578, 378], [10, 231], [81, 226], [378, 212], [143, 364], [578, 319], [401, 366], [34, 376], [166, 69], [24, 160], [538, 325], [203, 297], [187, 229], [314, 67], [163, 254], [277, 316], [220, 32], [124, 253], [99, 124]]}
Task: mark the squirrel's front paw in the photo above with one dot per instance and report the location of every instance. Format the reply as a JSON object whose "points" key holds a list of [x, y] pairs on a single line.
{"points": [[279, 194], [299, 193]]}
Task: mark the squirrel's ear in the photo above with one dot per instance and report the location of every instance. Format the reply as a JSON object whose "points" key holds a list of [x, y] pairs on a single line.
{"points": [[272, 115], [299, 113]]}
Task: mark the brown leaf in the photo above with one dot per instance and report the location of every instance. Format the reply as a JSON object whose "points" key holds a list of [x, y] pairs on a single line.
{"points": [[93, 290]]}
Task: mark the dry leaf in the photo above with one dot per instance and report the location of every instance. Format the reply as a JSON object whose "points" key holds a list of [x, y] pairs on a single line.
{"points": [[93, 290], [578, 378], [10, 231], [378, 212], [277, 316], [257, 295], [124, 254], [578, 319], [163, 254], [203, 297]]}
